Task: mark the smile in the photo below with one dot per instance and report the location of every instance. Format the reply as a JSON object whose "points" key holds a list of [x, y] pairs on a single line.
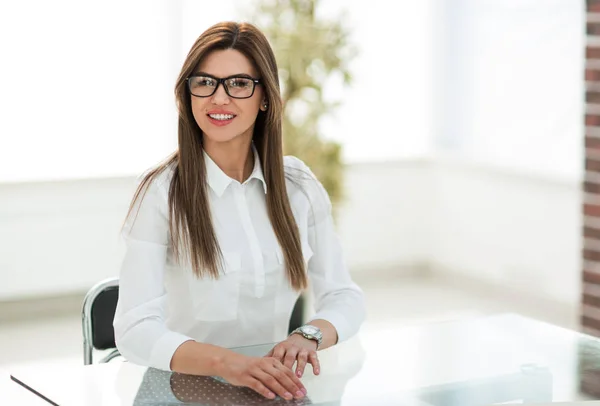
{"points": [[221, 117]]}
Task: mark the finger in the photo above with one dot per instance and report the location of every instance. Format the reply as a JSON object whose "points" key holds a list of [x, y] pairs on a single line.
{"points": [[278, 352], [290, 357], [261, 389], [290, 381], [302, 359], [314, 361], [272, 382]]}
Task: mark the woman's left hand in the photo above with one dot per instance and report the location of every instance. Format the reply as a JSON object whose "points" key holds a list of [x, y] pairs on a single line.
{"points": [[297, 348]]}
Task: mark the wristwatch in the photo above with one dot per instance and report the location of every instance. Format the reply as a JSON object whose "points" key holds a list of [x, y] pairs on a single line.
{"points": [[310, 332]]}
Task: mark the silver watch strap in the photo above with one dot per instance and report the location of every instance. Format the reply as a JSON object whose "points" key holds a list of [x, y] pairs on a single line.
{"points": [[313, 338]]}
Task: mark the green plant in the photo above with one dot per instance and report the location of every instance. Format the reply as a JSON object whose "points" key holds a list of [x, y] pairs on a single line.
{"points": [[310, 51]]}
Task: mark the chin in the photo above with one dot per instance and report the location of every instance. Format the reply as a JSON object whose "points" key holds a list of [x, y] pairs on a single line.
{"points": [[224, 136]]}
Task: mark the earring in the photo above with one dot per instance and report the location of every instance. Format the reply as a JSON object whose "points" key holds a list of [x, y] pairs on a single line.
{"points": [[265, 105]]}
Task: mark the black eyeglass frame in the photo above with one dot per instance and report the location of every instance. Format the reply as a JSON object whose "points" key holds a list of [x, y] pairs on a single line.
{"points": [[221, 81]]}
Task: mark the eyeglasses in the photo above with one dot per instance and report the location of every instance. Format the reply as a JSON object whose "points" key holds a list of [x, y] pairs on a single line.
{"points": [[238, 87]]}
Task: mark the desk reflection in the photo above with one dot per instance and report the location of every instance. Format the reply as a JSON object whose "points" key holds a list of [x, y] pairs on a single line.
{"points": [[168, 388]]}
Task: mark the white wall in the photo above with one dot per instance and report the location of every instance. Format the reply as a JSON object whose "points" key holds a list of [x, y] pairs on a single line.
{"points": [[509, 84], [509, 112], [60, 237], [522, 232], [461, 219], [87, 87], [383, 221], [386, 113]]}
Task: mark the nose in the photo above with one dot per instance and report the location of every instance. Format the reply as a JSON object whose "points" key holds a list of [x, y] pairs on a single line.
{"points": [[220, 96]]}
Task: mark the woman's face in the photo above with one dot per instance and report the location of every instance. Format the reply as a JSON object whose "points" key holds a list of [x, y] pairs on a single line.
{"points": [[221, 117]]}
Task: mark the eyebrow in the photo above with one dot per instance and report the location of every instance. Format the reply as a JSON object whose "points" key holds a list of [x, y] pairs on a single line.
{"points": [[237, 75]]}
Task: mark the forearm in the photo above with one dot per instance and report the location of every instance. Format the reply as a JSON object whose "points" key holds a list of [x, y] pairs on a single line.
{"points": [[194, 358], [330, 336]]}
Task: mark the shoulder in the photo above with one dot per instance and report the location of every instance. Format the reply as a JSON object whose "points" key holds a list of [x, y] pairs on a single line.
{"points": [[291, 162], [149, 205], [293, 165], [300, 178], [298, 172], [157, 179], [152, 191]]}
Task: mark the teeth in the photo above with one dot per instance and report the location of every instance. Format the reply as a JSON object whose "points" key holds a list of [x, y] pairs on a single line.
{"points": [[221, 116]]}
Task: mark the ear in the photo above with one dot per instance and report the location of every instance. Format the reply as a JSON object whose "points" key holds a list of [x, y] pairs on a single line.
{"points": [[264, 105]]}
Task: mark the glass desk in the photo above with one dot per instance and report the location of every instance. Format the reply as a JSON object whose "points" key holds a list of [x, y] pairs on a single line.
{"points": [[11, 394], [505, 358]]}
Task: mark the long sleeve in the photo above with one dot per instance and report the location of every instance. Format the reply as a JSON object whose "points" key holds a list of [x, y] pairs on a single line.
{"points": [[141, 334], [337, 298]]}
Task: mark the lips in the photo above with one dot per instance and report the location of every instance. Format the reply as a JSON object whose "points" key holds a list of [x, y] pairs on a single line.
{"points": [[220, 118]]}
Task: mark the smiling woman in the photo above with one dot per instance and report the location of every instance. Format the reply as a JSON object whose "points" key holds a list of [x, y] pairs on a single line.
{"points": [[227, 101], [224, 235]]}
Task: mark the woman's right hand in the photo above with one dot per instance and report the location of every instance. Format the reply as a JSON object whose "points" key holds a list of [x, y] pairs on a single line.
{"points": [[265, 375]]}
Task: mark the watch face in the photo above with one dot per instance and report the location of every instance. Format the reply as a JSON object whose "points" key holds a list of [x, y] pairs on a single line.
{"points": [[310, 329]]}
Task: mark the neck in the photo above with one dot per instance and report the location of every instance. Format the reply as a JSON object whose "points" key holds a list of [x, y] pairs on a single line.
{"points": [[236, 159]]}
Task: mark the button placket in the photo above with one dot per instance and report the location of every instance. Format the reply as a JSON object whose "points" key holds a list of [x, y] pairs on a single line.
{"points": [[257, 259]]}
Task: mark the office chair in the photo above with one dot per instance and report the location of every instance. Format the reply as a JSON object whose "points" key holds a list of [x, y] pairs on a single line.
{"points": [[99, 306], [297, 318]]}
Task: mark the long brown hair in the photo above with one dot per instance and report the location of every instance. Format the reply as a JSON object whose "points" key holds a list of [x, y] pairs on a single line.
{"points": [[190, 222]]}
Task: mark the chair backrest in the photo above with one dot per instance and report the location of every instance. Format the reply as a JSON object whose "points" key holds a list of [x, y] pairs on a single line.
{"points": [[97, 316], [297, 319]]}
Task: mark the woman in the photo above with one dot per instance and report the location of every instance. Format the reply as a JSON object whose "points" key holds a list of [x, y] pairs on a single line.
{"points": [[224, 235]]}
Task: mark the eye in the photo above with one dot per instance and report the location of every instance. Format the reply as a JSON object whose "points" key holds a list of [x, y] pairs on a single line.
{"points": [[204, 81], [240, 83]]}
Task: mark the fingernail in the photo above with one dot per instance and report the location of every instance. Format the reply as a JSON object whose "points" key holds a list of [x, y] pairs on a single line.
{"points": [[304, 391], [287, 395], [299, 394], [317, 371], [270, 395], [299, 373]]}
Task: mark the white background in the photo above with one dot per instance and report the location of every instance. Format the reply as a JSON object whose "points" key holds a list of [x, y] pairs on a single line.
{"points": [[87, 87]]}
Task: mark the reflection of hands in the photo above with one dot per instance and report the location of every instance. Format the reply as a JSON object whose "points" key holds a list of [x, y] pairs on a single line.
{"points": [[267, 376], [297, 348], [212, 392]]}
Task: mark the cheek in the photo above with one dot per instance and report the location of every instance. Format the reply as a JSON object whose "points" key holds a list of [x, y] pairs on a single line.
{"points": [[198, 110], [250, 116], [252, 108]]}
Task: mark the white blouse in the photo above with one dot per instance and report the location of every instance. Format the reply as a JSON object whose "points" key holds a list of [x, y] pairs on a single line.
{"points": [[162, 304]]}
